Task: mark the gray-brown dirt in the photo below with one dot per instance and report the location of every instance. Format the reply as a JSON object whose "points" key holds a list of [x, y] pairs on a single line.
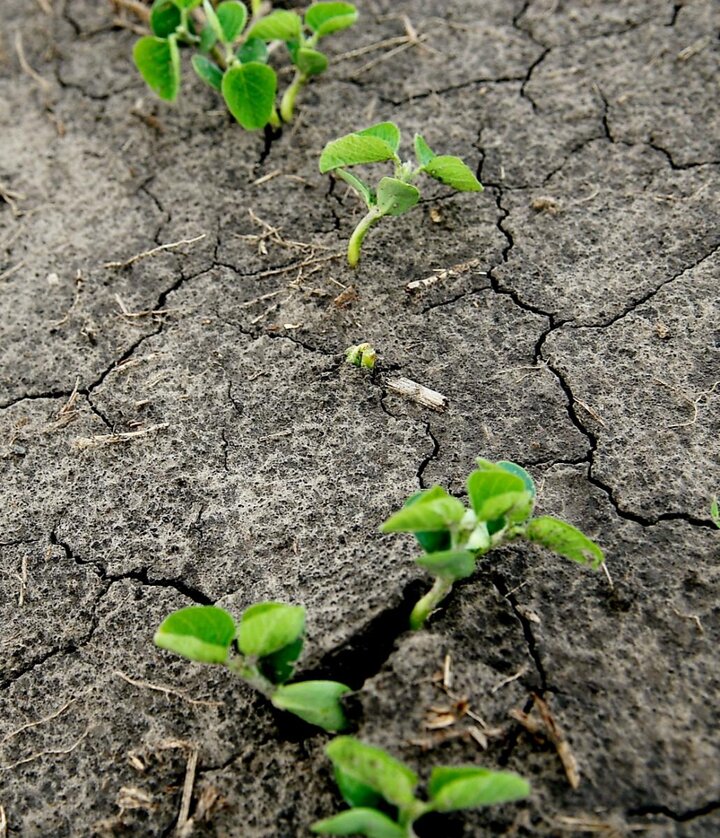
{"points": [[583, 343]]}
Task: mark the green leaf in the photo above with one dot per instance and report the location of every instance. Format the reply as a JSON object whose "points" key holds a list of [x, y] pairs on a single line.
{"points": [[388, 132], [354, 150], [715, 512], [279, 25], [199, 632], [317, 702], [213, 20], [564, 539], [311, 62], [423, 152], [520, 472], [164, 18], [293, 47], [325, 18], [267, 627], [436, 511], [394, 197], [495, 492], [249, 92], [374, 768], [208, 39], [208, 71], [187, 4], [279, 666], [254, 49], [368, 822], [448, 564], [232, 16], [431, 542], [468, 787], [365, 192], [356, 793], [158, 61], [453, 172]]}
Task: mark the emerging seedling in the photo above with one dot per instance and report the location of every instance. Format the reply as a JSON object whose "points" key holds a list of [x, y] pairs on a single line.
{"points": [[393, 195], [715, 512], [321, 20], [502, 499], [232, 51], [381, 791], [363, 355], [262, 650]]}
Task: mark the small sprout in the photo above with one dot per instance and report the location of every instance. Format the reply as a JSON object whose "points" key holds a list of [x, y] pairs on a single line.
{"points": [[373, 783], [715, 512], [502, 500], [262, 650], [231, 51], [393, 195], [362, 355], [321, 19]]}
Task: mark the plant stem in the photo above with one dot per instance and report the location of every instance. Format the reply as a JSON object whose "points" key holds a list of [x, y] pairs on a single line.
{"points": [[183, 30], [252, 676], [287, 106], [427, 604], [274, 120], [358, 235]]}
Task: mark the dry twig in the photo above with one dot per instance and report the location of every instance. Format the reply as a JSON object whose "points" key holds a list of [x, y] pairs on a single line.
{"points": [[112, 439], [418, 393], [38, 722], [441, 275], [49, 752], [42, 83], [147, 253], [184, 822], [146, 685]]}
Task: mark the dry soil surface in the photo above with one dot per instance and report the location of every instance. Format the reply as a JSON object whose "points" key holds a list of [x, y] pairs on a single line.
{"points": [[184, 429]]}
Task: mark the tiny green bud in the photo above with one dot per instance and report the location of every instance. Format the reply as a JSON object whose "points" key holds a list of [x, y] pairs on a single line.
{"points": [[362, 355]]}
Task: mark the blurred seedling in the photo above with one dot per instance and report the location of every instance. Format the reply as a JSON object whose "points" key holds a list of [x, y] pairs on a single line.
{"points": [[363, 355], [393, 195], [381, 791], [502, 500], [232, 49], [262, 649], [715, 512]]}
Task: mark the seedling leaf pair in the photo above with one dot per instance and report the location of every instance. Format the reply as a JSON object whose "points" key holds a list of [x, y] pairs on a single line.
{"points": [[396, 195], [231, 55], [502, 498], [370, 779], [326, 18], [269, 639]]}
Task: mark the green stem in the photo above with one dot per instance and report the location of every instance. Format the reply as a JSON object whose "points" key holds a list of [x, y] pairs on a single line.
{"points": [[183, 30], [275, 119], [252, 676], [358, 235], [427, 604], [287, 106]]}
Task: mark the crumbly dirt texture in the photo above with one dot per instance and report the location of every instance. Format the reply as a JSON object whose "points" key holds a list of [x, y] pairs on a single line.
{"points": [[183, 428]]}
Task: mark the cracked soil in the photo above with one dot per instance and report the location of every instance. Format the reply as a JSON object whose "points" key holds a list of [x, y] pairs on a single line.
{"points": [[184, 429]]}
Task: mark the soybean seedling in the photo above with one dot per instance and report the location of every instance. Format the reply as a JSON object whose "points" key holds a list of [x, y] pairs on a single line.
{"points": [[262, 650], [393, 195], [363, 355], [502, 499], [381, 791], [232, 50]]}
